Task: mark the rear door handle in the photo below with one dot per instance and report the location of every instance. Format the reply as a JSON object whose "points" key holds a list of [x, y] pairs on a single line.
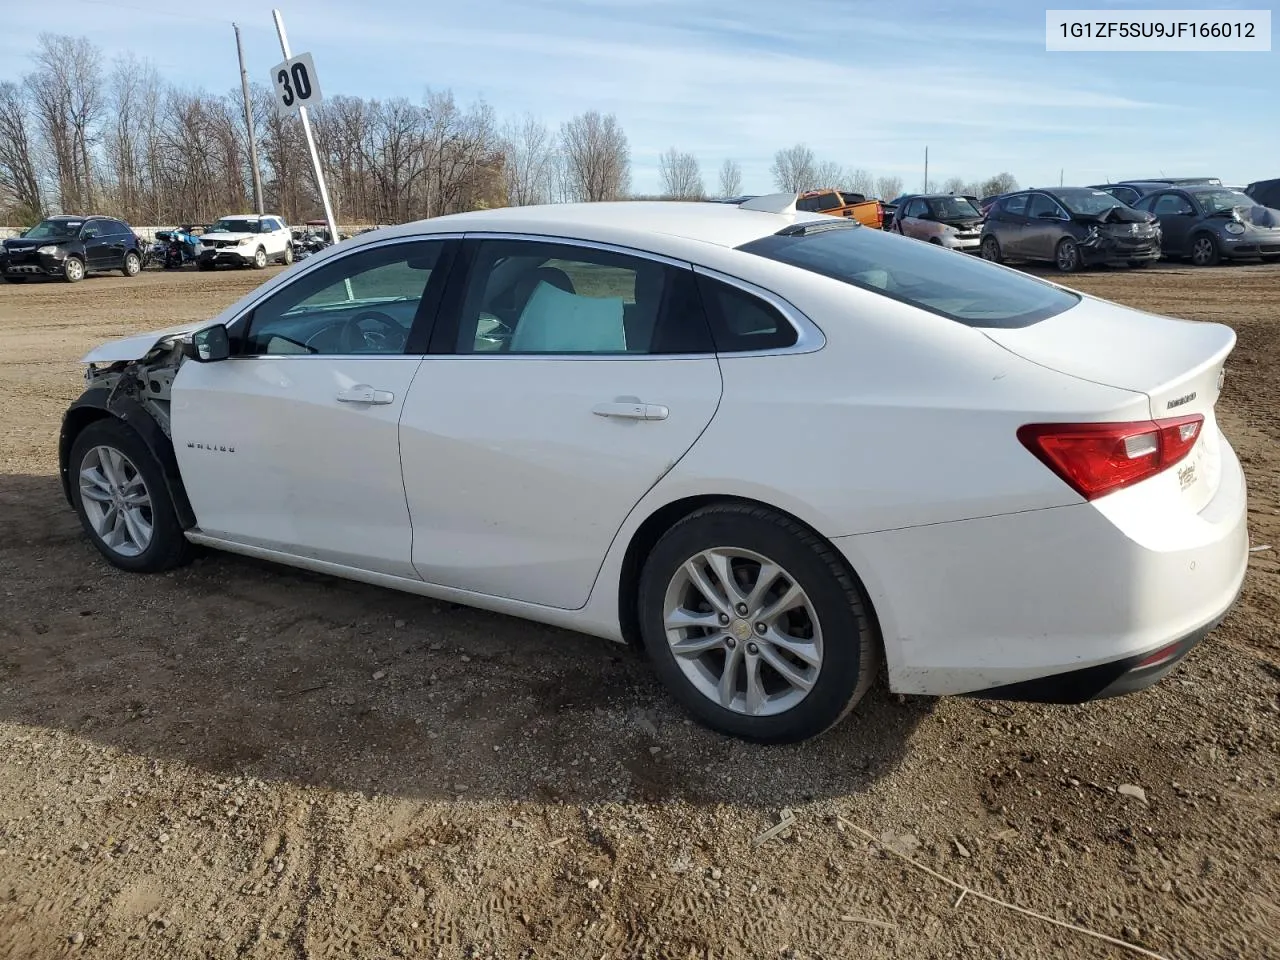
{"points": [[363, 393], [626, 410]]}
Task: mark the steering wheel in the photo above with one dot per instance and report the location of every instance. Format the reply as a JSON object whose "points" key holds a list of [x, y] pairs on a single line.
{"points": [[356, 339]]}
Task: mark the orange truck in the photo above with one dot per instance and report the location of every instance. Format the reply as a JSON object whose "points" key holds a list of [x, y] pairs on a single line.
{"points": [[842, 203]]}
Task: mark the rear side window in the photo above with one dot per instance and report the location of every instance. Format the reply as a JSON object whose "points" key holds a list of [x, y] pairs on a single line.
{"points": [[960, 288], [742, 322]]}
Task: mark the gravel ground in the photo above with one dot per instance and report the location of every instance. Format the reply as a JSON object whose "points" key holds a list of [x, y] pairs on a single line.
{"points": [[240, 761]]}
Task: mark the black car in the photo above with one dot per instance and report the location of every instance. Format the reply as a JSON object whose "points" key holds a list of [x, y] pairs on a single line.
{"points": [[1131, 191], [1265, 192], [1071, 227], [1210, 224], [71, 247]]}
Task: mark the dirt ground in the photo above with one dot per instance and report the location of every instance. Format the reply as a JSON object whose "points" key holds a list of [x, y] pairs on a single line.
{"points": [[242, 761]]}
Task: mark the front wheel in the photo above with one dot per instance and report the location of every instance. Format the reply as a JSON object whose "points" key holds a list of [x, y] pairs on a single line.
{"points": [[990, 250], [755, 625], [1204, 251], [260, 259], [1067, 255], [73, 269], [132, 264], [119, 493]]}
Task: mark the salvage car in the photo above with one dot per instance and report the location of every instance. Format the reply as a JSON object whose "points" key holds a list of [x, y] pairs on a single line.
{"points": [[70, 248], [1070, 227], [949, 221], [998, 486], [1210, 224], [246, 241]]}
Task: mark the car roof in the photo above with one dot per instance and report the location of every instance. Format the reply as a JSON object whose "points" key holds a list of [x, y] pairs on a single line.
{"points": [[635, 222]]}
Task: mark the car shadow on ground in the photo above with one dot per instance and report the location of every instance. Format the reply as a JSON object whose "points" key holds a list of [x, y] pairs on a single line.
{"points": [[241, 668]]}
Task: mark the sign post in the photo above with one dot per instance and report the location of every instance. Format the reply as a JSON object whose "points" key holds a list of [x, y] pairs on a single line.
{"points": [[296, 86]]}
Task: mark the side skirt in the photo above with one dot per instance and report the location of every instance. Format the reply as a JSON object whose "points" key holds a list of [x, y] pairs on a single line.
{"points": [[565, 619]]}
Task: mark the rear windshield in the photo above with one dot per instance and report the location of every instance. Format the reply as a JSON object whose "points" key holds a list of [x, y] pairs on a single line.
{"points": [[958, 286]]}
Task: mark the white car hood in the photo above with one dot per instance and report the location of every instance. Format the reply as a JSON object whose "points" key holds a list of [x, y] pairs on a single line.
{"points": [[138, 345], [235, 237]]}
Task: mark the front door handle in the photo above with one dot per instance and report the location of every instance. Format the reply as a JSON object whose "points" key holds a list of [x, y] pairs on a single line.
{"points": [[627, 410], [363, 393]]}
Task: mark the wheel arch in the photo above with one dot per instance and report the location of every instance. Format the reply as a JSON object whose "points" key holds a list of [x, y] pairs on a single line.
{"points": [[662, 519], [98, 403]]}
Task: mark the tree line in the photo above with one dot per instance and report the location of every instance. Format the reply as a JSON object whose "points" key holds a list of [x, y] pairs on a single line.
{"points": [[79, 135]]}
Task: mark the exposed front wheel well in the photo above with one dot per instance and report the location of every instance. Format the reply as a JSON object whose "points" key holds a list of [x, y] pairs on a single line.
{"points": [[73, 425], [651, 531]]}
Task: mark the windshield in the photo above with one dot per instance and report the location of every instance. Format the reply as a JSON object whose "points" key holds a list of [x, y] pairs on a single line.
{"points": [[953, 208], [235, 226], [960, 288], [54, 230], [1088, 203], [1219, 201]]}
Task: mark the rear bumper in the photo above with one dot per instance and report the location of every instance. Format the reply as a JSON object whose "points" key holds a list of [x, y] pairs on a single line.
{"points": [[1061, 604]]}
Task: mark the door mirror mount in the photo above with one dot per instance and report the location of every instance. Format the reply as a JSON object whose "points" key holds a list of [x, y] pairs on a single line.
{"points": [[210, 344]]}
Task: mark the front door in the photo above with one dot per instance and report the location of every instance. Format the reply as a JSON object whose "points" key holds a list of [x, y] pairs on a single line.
{"points": [[563, 385], [1045, 222], [1010, 227], [1177, 216], [292, 444], [98, 245]]}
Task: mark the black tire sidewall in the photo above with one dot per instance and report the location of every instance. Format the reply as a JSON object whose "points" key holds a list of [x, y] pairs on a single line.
{"points": [[169, 547], [845, 625], [994, 245]]}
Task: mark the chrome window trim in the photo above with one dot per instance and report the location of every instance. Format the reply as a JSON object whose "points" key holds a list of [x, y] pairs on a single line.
{"points": [[306, 269]]}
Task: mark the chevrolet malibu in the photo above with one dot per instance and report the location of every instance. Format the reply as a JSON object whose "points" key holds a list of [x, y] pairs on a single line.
{"points": [[772, 448]]}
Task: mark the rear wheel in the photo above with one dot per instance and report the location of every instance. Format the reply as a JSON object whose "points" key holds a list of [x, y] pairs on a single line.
{"points": [[1204, 251], [990, 249], [1067, 255], [119, 493], [132, 264], [73, 269], [755, 626], [288, 255]]}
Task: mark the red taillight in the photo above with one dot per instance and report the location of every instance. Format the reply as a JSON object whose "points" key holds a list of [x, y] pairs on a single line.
{"points": [[1099, 458]]}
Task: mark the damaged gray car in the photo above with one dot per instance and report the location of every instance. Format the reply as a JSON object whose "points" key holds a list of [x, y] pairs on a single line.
{"points": [[1210, 224], [1070, 227]]}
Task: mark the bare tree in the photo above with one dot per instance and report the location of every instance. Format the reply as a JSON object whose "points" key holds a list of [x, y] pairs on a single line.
{"points": [[681, 175], [1000, 183], [530, 161], [861, 181], [68, 99], [794, 169], [597, 157], [730, 179], [954, 185], [828, 173], [887, 188], [18, 177]]}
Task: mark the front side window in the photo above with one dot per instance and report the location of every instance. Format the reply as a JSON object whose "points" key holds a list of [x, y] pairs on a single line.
{"points": [[1171, 205], [540, 297], [1042, 205], [363, 303], [964, 289]]}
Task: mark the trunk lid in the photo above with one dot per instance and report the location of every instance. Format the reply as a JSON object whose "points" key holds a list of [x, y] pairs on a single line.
{"points": [[1178, 364]]}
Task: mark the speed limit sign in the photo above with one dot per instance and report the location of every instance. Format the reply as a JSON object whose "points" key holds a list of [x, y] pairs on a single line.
{"points": [[296, 84]]}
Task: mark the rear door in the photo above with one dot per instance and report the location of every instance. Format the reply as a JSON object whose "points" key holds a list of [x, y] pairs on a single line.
{"points": [[564, 381]]}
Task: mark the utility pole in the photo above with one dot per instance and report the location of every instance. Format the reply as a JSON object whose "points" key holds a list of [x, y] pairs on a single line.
{"points": [[926, 169], [311, 140], [258, 203], [1061, 171]]}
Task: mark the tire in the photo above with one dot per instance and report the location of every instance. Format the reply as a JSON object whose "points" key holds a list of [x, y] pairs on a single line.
{"points": [[844, 637], [260, 259], [989, 249], [1066, 256], [167, 547], [73, 270], [132, 264], [1205, 251], [287, 259]]}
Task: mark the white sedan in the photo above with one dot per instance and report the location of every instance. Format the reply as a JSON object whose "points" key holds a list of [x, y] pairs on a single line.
{"points": [[770, 447]]}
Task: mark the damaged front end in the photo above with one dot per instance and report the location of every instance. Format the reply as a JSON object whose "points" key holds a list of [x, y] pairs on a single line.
{"points": [[1120, 235], [137, 392]]}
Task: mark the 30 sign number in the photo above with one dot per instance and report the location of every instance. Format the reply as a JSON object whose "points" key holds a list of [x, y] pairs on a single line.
{"points": [[296, 84]]}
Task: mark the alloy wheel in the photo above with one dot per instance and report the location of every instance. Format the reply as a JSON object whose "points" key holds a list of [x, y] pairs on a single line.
{"points": [[116, 501], [1068, 256], [1202, 252], [74, 269], [743, 631]]}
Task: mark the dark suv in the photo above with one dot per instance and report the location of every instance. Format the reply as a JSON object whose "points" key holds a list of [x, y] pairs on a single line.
{"points": [[71, 247]]}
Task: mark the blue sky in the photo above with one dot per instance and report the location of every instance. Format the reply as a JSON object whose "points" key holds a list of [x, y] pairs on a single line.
{"points": [[865, 84]]}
